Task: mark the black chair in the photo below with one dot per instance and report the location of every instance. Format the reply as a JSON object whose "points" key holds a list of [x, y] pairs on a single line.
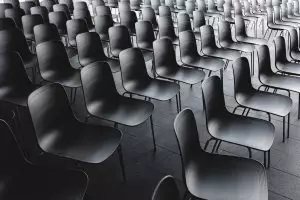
{"points": [[148, 14], [90, 50], [105, 10], [84, 14], [166, 189], [80, 5], [29, 21], [209, 47], [16, 15], [40, 10], [166, 29], [45, 32], [48, 4], [224, 126], [55, 67], [62, 8], [123, 6], [294, 45], [205, 173], [26, 5], [3, 7], [96, 3], [20, 178], [52, 117], [128, 19], [75, 27], [167, 67], [249, 98], [99, 88], [59, 19], [164, 11], [199, 20], [6, 23], [102, 24], [136, 80], [119, 40], [69, 3], [145, 38], [189, 55], [184, 23]]}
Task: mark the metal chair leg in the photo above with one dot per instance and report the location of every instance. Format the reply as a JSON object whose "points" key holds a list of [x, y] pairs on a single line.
{"points": [[265, 159], [122, 162], [215, 145], [207, 143], [283, 130], [217, 149], [250, 152], [269, 158], [288, 126], [152, 131]]}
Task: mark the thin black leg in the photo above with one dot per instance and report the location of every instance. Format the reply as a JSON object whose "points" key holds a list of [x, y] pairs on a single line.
{"points": [[152, 131], [265, 159], [217, 150], [177, 104], [299, 106], [122, 162], [207, 142], [269, 158], [215, 145], [288, 126], [283, 130], [250, 152]]}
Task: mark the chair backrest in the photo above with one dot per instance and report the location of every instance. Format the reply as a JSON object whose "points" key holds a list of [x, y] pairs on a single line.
{"points": [[135, 4], [119, 39], [99, 86], [89, 48], [80, 5], [211, 6], [276, 12], [184, 23], [170, 4], [155, 5], [133, 67], [59, 19], [290, 9], [40, 10], [166, 28], [270, 17], [190, 6], [207, 37], [144, 34], [69, 3], [16, 15], [164, 56], [241, 76], [103, 10], [29, 21], [123, 6], [48, 4], [187, 44], [247, 9], [52, 59], [240, 29], [201, 5], [199, 19], [6, 23], [96, 3], [213, 98], [296, 6], [280, 50], [3, 7], [26, 5], [284, 10], [227, 12], [164, 11], [62, 8], [14, 3], [74, 27], [180, 4], [45, 32], [36, 2], [84, 14], [166, 189], [264, 61], [187, 136], [224, 32], [148, 14], [50, 111], [238, 9], [102, 24], [294, 41], [128, 19]]}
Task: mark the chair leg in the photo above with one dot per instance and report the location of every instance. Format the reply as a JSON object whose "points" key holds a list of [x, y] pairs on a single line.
{"points": [[269, 158], [288, 126], [152, 131], [250, 152], [177, 103], [122, 162], [215, 145], [283, 129], [217, 149], [299, 106], [235, 109], [207, 143], [265, 159]]}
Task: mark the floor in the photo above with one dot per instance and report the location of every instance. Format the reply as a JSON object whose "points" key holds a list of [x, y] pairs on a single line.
{"points": [[144, 168]]}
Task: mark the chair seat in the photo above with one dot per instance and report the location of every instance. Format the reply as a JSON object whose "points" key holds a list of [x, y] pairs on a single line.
{"points": [[222, 53], [265, 101], [37, 183], [126, 111], [114, 64], [155, 89], [31, 61], [252, 40], [204, 63], [246, 131], [288, 67], [148, 55], [70, 79], [282, 81], [290, 20], [295, 55], [224, 177], [85, 142], [248, 48], [279, 26], [182, 74]]}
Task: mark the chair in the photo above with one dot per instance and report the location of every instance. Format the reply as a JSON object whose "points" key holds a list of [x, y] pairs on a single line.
{"points": [[52, 117], [119, 40], [166, 66], [128, 19], [3, 7], [164, 11], [6, 23], [26, 5], [145, 38], [80, 5], [209, 47], [190, 57], [155, 6], [59, 19], [294, 45], [296, 8], [135, 5], [48, 4], [180, 4], [36, 2], [136, 80], [29, 21], [285, 16], [99, 88], [96, 3], [84, 14], [123, 6], [103, 10], [102, 24], [40, 10], [166, 29], [16, 15], [148, 14], [69, 3], [222, 125], [166, 189], [62, 8], [249, 98], [205, 173], [45, 32], [14, 3], [90, 50], [190, 6], [75, 27], [55, 67], [184, 23], [227, 14], [20, 178], [198, 21]]}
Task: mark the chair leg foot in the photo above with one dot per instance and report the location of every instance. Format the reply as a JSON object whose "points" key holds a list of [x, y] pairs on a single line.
{"points": [[122, 163]]}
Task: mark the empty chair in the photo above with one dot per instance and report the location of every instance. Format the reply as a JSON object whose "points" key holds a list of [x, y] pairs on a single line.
{"points": [[166, 189], [205, 173], [59, 19], [36, 2], [6, 23], [128, 19], [75, 27], [103, 10], [198, 20], [167, 67], [123, 6], [26, 5], [90, 50], [102, 24], [155, 6], [99, 88], [180, 4], [294, 45], [29, 21], [48, 4], [112, 3], [40, 10], [119, 40], [3, 7], [190, 7], [148, 14], [166, 29], [29, 180], [164, 11], [184, 23], [144, 35], [69, 3], [52, 117], [84, 14], [16, 15], [136, 80], [296, 8], [249, 98], [14, 3], [80, 5], [227, 14], [135, 5], [189, 54], [96, 3], [45, 32], [63, 8]]}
